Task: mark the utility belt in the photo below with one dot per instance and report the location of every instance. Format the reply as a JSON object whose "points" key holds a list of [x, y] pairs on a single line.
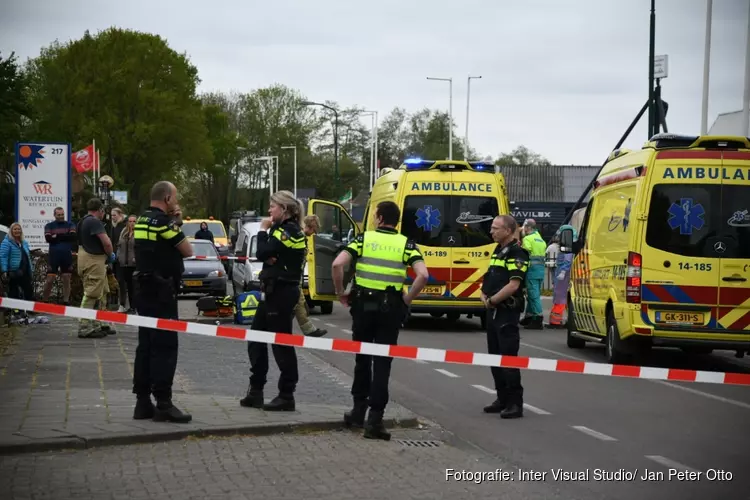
{"points": [[154, 286], [512, 303], [368, 300], [269, 285]]}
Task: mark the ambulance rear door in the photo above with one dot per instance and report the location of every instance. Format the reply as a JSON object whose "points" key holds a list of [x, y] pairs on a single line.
{"points": [[733, 245]]}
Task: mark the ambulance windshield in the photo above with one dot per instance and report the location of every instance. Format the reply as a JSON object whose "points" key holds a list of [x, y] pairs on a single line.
{"points": [[449, 221]]}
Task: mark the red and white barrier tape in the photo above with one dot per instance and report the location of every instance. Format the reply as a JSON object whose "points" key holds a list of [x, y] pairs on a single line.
{"points": [[221, 257], [394, 351]]}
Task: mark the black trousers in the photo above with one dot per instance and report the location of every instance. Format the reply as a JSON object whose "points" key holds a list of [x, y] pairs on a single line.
{"points": [[156, 354], [21, 288], [125, 279], [372, 373], [503, 338], [275, 314]]}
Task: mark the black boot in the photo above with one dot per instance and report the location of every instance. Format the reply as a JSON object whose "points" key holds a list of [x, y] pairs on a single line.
{"points": [[374, 428], [496, 406], [536, 323], [167, 412], [514, 410], [318, 332], [253, 398], [356, 416], [144, 408], [282, 402]]}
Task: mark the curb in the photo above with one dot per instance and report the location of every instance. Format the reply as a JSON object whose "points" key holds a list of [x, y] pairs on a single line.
{"points": [[80, 443]]}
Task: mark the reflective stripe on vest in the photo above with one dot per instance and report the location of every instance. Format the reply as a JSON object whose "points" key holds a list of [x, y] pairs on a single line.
{"points": [[509, 264], [382, 261]]}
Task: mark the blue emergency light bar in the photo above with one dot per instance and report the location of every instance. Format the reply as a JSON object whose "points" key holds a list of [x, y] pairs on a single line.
{"points": [[412, 164]]}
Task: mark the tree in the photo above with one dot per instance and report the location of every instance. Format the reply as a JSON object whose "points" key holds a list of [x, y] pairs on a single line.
{"points": [[130, 92], [13, 110], [521, 156]]}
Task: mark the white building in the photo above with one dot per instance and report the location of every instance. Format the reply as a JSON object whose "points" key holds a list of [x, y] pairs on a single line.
{"points": [[728, 124]]}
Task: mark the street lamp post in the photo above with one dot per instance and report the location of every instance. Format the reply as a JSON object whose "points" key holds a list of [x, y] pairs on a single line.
{"points": [[270, 170], [335, 140], [295, 166], [450, 113], [374, 145], [468, 95]]}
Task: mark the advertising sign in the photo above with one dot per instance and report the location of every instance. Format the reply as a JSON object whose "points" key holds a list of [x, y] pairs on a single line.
{"points": [[43, 179]]}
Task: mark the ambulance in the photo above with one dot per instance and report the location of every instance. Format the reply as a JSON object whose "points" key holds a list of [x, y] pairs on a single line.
{"points": [[447, 208], [663, 254]]}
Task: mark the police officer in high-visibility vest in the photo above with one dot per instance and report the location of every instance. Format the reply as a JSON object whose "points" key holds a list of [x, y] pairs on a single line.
{"points": [[537, 248], [281, 248], [160, 246], [502, 294], [378, 306]]}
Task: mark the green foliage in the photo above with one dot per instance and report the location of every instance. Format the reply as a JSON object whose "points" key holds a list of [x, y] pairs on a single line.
{"points": [[521, 156], [130, 92]]}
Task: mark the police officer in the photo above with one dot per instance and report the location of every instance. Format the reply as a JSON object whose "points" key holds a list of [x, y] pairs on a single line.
{"points": [[281, 247], [160, 247], [377, 308], [537, 248], [502, 294]]}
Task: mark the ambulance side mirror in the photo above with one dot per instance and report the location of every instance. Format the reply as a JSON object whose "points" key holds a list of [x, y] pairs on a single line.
{"points": [[566, 241]]}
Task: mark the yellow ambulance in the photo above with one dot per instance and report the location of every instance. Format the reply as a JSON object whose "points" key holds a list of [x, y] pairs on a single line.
{"points": [[663, 255], [447, 208]]}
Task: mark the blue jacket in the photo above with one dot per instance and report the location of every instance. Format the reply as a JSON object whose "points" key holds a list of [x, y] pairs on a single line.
{"points": [[10, 255]]}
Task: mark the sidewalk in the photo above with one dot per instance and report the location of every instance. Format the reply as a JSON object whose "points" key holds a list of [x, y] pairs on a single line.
{"points": [[59, 391]]}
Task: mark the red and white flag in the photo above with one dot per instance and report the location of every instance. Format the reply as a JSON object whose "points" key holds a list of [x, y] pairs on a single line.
{"points": [[84, 160]]}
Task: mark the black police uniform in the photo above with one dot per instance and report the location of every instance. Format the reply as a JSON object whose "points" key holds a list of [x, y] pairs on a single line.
{"points": [[376, 318], [280, 285], [156, 281], [507, 263]]}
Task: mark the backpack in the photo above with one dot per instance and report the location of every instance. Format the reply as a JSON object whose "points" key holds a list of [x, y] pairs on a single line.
{"points": [[215, 307], [245, 307]]}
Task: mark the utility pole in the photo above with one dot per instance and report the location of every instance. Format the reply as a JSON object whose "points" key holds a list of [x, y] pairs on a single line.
{"points": [[295, 166], [706, 68], [450, 113], [468, 95], [746, 98], [651, 56]]}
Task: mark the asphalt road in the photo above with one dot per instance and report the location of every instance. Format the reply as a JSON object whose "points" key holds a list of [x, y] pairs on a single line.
{"points": [[580, 422]]}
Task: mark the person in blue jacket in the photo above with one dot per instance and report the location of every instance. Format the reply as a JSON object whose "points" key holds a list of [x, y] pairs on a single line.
{"points": [[16, 264]]}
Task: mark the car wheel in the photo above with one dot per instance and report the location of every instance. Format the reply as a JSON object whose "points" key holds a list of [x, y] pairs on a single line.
{"points": [[613, 347], [326, 307]]}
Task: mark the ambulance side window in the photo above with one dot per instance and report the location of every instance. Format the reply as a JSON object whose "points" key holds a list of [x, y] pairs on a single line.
{"points": [[582, 237]]}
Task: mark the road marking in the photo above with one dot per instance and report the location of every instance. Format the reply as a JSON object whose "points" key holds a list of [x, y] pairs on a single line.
{"points": [[420, 361], [345, 330], [669, 464], [705, 394], [330, 324], [536, 410], [593, 433], [529, 407], [484, 389], [447, 373], [697, 392]]}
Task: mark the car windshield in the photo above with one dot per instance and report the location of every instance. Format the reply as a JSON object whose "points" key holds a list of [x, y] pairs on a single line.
{"points": [[192, 227], [694, 219], [201, 249], [445, 220]]}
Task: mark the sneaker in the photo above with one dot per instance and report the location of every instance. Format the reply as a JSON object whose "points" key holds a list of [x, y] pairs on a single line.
{"points": [[122, 309]]}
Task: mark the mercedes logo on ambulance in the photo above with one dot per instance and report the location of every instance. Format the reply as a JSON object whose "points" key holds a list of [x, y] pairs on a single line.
{"points": [[720, 247]]}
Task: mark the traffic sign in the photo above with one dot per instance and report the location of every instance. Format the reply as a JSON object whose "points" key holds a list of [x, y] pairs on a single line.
{"points": [[661, 66]]}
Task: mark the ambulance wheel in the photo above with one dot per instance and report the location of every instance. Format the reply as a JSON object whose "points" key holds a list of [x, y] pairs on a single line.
{"points": [[573, 342], [326, 308], [451, 316], [613, 346]]}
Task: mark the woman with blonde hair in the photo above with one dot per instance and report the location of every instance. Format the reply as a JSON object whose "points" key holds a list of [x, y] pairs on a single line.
{"points": [[16, 264], [281, 248], [126, 264]]}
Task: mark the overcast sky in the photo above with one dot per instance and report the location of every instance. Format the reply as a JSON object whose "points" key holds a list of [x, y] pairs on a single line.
{"points": [[564, 78]]}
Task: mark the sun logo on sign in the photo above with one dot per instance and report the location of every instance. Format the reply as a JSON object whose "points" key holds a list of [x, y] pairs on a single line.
{"points": [[30, 156]]}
